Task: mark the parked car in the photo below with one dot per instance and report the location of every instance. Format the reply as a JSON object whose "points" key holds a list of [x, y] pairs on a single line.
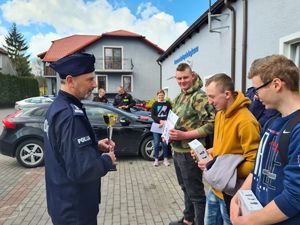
{"points": [[140, 112], [34, 101], [22, 135], [135, 110]]}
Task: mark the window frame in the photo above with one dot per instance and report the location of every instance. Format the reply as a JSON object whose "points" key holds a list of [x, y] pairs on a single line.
{"points": [[104, 57], [288, 45], [106, 82], [131, 81]]}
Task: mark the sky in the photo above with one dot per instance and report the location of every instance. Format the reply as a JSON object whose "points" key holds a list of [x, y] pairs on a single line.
{"points": [[42, 21]]}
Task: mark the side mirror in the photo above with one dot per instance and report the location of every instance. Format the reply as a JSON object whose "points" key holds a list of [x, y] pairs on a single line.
{"points": [[124, 121]]}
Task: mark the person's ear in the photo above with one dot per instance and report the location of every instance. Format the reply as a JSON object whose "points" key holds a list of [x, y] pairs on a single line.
{"points": [[227, 94], [69, 80], [277, 83]]}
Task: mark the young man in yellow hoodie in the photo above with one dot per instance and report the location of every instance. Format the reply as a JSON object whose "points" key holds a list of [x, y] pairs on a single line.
{"points": [[236, 131]]}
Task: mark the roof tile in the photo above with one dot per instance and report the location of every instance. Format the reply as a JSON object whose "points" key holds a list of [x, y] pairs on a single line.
{"points": [[71, 44]]}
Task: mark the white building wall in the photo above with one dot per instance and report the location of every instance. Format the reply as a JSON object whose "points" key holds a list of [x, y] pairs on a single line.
{"points": [[268, 22]]}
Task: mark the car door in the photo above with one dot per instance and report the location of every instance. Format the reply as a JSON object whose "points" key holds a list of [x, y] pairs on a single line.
{"points": [[127, 137]]}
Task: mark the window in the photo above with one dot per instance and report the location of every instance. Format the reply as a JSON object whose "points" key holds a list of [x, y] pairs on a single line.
{"points": [[48, 70], [102, 82], [112, 58], [127, 83], [295, 53], [166, 90], [40, 112], [290, 47]]}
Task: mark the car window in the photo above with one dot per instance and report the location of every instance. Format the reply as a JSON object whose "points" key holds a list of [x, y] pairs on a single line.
{"points": [[28, 100], [96, 113], [36, 100], [40, 112]]}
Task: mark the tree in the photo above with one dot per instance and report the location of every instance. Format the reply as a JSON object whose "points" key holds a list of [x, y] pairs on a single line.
{"points": [[16, 48]]}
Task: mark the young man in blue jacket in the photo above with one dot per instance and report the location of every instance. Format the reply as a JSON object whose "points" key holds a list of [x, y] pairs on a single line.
{"points": [[275, 184]]}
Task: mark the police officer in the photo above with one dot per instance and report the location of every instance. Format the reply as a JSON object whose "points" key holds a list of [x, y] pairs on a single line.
{"points": [[74, 159], [123, 100]]}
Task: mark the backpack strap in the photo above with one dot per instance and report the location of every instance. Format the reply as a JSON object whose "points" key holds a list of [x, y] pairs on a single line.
{"points": [[285, 136], [269, 122]]}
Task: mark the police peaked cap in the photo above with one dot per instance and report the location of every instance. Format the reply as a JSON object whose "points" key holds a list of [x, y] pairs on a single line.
{"points": [[74, 65]]}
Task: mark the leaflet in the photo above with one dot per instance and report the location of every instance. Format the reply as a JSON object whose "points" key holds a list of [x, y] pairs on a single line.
{"points": [[169, 124], [156, 129]]}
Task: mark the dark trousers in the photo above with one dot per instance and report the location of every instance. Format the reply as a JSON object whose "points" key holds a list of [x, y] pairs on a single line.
{"points": [[189, 177]]}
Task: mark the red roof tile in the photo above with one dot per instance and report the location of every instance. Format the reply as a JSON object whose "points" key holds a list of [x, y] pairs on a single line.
{"points": [[121, 33], [75, 43], [68, 45], [124, 33]]}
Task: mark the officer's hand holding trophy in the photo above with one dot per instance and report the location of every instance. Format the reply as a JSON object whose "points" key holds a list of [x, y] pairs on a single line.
{"points": [[106, 145], [110, 120]]}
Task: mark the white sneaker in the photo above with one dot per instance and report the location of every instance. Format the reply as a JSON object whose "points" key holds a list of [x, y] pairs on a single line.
{"points": [[166, 162], [156, 162]]}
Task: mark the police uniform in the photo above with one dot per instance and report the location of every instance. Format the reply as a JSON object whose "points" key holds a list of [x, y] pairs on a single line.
{"points": [[124, 99], [73, 163]]}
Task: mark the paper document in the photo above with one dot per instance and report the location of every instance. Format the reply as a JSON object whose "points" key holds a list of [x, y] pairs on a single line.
{"points": [[156, 129], [169, 124], [199, 149], [248, 202]]}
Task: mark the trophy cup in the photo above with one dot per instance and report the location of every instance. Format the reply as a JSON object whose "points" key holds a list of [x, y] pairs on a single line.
{"points": [[110, 120]]}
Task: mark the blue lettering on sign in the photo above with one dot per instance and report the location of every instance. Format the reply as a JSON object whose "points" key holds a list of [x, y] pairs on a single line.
{"points": [[189, 53]]}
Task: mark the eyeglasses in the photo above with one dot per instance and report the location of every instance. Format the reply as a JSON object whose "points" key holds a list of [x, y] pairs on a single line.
{"points": [[261, 86]]}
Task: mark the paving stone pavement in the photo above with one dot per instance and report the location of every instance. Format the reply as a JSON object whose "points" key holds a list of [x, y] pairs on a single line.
{"points": [[136, 194]]}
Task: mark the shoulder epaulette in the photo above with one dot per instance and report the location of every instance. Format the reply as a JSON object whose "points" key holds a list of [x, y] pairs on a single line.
{"points": [[76, 110]]}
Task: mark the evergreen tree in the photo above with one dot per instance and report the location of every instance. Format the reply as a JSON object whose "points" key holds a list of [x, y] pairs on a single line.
{"points": [[16, 48]]}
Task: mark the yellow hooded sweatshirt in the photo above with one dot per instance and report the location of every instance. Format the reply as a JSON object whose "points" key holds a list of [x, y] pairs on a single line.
{"points": [[237, 131]]}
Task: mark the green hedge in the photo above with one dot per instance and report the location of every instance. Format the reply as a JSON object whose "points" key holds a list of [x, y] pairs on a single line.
{"points": [[14, 88]]}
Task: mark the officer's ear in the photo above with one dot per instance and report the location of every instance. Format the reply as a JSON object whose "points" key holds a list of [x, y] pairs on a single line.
{"points": [[69, 80]]}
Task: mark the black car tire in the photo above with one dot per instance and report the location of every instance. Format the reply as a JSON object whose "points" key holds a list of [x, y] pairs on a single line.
{"points": [[30, 153], [147, 149]]}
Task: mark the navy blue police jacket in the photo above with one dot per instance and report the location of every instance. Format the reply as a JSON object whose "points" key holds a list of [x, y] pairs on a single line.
{"points": [[73, 163]]}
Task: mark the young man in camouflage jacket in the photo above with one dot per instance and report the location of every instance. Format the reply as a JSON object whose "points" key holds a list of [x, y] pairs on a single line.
{"points": [[196, 119]]}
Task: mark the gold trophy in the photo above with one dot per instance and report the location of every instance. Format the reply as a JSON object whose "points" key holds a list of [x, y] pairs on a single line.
{"points": [[110, 119]]}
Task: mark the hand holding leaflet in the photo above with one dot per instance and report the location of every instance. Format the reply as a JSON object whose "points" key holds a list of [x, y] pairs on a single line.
{"points": [[169, 124]]}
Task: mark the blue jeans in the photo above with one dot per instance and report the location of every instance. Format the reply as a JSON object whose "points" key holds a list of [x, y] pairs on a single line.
{"points": [[216, 212], [189, 177], [157, 141]]}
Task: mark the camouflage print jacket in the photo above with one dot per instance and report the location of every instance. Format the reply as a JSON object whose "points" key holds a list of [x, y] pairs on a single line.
{"points": [[194, 112]]}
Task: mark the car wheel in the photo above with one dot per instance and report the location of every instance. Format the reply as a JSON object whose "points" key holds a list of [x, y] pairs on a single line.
{"points": [[30, 153], [147, 149]]}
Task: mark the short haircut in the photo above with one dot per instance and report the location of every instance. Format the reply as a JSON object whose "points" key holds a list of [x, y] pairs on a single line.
{"points": [[160, 92], [276, 66], [223, 82], [183, 67]]}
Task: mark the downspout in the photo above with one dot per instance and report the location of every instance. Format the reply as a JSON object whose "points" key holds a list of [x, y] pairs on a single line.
{"points": [[160, 74], [244, 45], [233, 37]]}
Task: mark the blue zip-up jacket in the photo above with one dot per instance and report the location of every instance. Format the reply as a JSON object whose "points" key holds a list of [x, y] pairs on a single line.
{"points": [[271, 179]]}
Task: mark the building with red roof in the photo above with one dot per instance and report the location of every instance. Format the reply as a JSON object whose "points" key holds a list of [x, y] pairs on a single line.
{"points": [[122, 58]]}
